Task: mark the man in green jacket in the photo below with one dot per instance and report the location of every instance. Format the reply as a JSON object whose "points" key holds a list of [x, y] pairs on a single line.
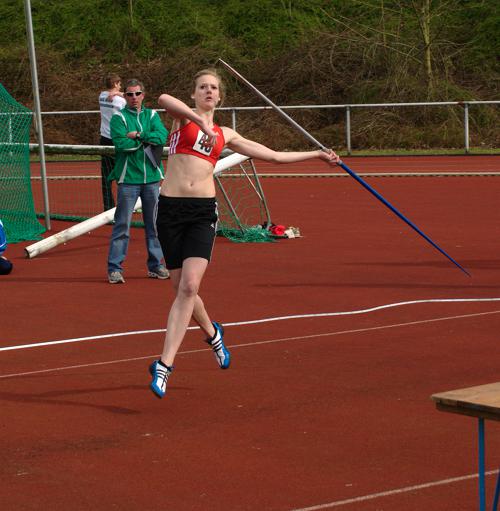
{"points": [[135, 131]]}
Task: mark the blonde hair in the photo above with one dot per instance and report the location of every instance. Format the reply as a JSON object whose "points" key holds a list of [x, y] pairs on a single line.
{"points": [[212, 72]]}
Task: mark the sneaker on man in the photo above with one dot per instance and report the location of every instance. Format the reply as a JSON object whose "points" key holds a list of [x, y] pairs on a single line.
{"points": [[222, 355], [160, 374], [115, 277], [160, 273]]}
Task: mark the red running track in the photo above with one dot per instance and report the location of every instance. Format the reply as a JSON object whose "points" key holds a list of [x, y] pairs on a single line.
{"points": [[315, 413], [472, 164], [393, 165]]}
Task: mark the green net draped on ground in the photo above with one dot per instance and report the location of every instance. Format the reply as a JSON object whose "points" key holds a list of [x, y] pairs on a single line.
{"points": [[17, 210]]}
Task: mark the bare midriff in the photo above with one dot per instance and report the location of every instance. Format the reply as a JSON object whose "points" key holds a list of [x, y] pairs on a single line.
{"points": [[188, 176]]}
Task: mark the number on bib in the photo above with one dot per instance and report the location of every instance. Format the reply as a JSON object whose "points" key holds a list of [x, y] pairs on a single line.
{"points": [[200, 145]]}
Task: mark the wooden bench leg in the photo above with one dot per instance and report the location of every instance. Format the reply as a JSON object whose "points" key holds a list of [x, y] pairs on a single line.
{"points": [[482, 489], [497, 494]]}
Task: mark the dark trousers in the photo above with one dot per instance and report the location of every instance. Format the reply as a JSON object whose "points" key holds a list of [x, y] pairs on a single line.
{"points": [[107, 164]]}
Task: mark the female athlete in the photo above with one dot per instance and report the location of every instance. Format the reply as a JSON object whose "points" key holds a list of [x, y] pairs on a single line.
{"points": [[187, 211]]}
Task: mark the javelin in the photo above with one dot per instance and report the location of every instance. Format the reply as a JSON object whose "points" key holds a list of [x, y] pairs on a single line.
{"points": [[340, 163]]}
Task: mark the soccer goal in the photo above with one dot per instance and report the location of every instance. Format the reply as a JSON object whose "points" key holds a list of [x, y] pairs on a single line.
{"points": [[243, 210]]}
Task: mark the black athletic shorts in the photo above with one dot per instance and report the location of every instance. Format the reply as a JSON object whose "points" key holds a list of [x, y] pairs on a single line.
{"points": [[186, 227]]}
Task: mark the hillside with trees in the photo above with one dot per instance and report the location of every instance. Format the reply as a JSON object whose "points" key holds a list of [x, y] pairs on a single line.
{"points": [[298, 52]]}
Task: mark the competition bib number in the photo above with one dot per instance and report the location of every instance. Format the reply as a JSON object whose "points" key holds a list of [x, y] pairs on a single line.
{"points": [[200, 144]]}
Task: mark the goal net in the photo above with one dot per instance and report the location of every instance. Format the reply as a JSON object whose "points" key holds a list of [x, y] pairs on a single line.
{"points": [[17, 209]]}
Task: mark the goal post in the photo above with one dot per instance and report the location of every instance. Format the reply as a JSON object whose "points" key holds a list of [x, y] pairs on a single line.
{"points": [[73, 232]]}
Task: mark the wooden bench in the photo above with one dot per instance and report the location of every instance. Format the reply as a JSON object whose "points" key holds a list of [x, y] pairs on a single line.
{"points": [[482, 402]]}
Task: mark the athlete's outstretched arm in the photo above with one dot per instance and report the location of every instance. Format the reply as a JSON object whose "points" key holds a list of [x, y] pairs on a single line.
{"points": [[255, 150]]}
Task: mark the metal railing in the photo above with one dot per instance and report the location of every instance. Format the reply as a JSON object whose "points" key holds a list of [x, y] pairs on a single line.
{"points": [[348, 108]]}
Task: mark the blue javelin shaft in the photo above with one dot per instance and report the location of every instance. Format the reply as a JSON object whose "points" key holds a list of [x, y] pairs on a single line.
{"points": [[340, 163], [363, 183]]}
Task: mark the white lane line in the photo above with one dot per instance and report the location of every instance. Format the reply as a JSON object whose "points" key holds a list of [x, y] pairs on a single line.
{"points": [[390, 493], [81, 339], [259, 343], [253, 322]]}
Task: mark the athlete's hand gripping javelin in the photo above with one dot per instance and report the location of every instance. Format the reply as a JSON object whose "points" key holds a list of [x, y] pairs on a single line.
{"points": [[329, 156]]}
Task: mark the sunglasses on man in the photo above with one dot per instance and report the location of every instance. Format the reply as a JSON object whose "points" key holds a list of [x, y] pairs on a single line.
{"points": [[132, 94]]}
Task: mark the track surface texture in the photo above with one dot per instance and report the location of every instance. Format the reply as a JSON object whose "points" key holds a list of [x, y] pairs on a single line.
{"points": [[338, 340]]}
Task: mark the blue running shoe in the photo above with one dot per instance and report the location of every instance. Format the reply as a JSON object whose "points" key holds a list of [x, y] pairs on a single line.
{"points": [[160, 374], [222, 355]]}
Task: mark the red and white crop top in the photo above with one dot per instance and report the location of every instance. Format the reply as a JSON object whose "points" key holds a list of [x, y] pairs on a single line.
{"points": [[190, 140]]}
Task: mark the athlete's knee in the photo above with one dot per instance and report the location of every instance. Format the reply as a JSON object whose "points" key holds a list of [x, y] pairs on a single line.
{"points": [[188, 287]]}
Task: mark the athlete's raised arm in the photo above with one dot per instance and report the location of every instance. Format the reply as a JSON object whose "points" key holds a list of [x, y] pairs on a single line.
{"points": [[179, 110]]}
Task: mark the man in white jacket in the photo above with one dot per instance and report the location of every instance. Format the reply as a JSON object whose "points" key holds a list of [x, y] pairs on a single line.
{"points": [[110, 101]]}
